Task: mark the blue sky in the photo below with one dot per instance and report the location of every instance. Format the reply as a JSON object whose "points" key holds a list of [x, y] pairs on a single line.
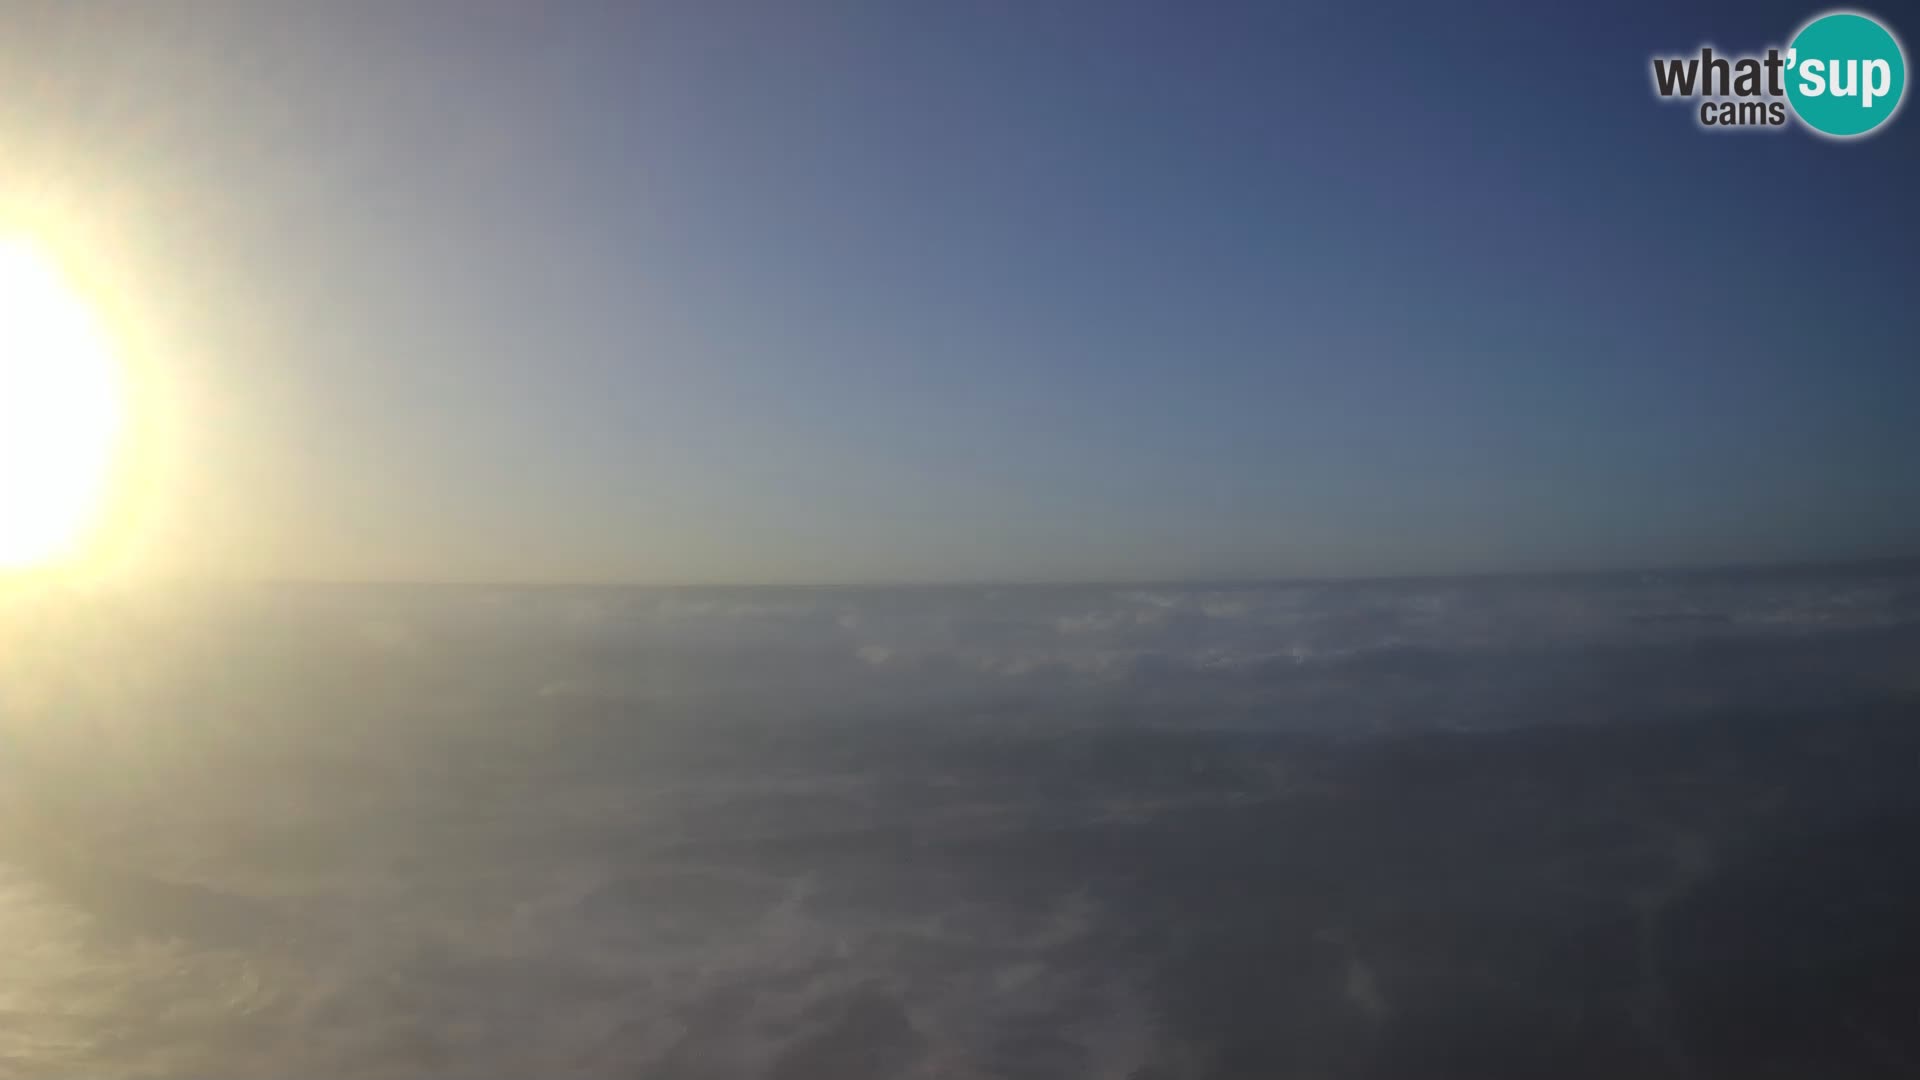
{"points": [[980, 291]]}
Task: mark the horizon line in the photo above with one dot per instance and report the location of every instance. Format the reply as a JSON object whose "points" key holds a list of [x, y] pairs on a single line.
{"points": [[1909, 561]]}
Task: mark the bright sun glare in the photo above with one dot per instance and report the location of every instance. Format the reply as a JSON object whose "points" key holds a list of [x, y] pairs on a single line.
{"points": [[60, 411]]}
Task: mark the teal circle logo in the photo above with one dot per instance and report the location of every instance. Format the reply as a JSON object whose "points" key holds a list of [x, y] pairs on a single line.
{"points": [[1845, 74]]}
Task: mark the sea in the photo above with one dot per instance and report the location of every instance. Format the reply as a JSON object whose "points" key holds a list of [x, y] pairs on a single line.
{"points": [[1624, 825]]}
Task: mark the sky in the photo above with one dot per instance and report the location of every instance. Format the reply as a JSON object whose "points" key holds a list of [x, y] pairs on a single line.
{"points": [[848, 292]]}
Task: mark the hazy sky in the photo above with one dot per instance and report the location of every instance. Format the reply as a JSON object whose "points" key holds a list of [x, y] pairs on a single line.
{"points": [[811, 291]]}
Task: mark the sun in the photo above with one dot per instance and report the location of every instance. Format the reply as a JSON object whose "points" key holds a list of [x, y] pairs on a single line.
{"points": [[60, 411]]}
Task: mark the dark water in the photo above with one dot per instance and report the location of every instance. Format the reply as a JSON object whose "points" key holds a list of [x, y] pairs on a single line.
{"points": [[1647, 826]]}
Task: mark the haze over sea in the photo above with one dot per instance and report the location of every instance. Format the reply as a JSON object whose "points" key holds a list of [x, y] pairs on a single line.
{"points": [[1655, 825]]}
